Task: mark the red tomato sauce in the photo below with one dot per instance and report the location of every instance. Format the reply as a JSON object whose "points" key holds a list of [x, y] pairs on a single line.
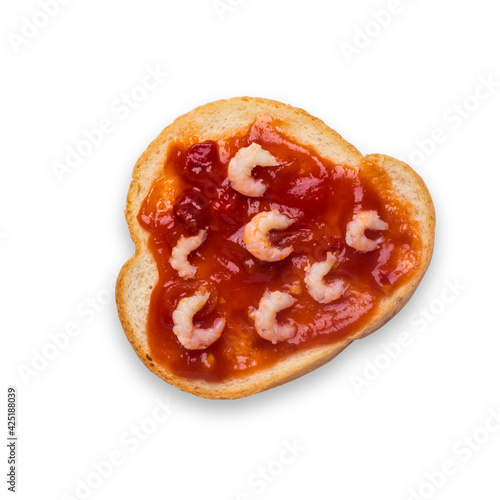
{"points": [[321, 196]]}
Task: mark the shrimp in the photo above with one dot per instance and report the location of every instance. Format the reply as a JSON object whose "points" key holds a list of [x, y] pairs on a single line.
{"points": [[265, 317], [190, 336], [256, 236], [178, 260], [362, 221], [240, 170], [316, 286]]}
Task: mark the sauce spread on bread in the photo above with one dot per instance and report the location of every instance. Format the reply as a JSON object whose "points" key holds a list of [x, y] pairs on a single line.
{"points": [[194, 201]]}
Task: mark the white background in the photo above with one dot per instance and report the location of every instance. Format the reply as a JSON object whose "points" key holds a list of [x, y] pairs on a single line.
{"points": [[62, 241]]}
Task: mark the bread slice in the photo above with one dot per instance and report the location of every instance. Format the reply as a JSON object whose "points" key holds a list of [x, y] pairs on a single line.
{"points": [[227, 118]]}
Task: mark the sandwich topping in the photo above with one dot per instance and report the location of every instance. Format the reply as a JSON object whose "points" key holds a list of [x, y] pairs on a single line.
{"points": [[264, 248], [256, 236]]}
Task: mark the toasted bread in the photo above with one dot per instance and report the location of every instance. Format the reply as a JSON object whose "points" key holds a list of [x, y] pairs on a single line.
{"points": [[225, 118]]}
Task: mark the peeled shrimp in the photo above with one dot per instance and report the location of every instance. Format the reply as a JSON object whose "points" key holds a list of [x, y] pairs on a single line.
{"points": [[316, 286], [178, 260], [190, 336], [241, 166], [265, 317], [256, 236], [362, 221]]}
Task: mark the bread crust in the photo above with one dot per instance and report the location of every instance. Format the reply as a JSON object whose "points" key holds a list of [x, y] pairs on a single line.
{"points": [[226, 118]]}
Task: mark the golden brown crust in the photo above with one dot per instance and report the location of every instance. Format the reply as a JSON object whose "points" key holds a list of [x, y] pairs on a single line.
{"points": [[227, 118]]}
